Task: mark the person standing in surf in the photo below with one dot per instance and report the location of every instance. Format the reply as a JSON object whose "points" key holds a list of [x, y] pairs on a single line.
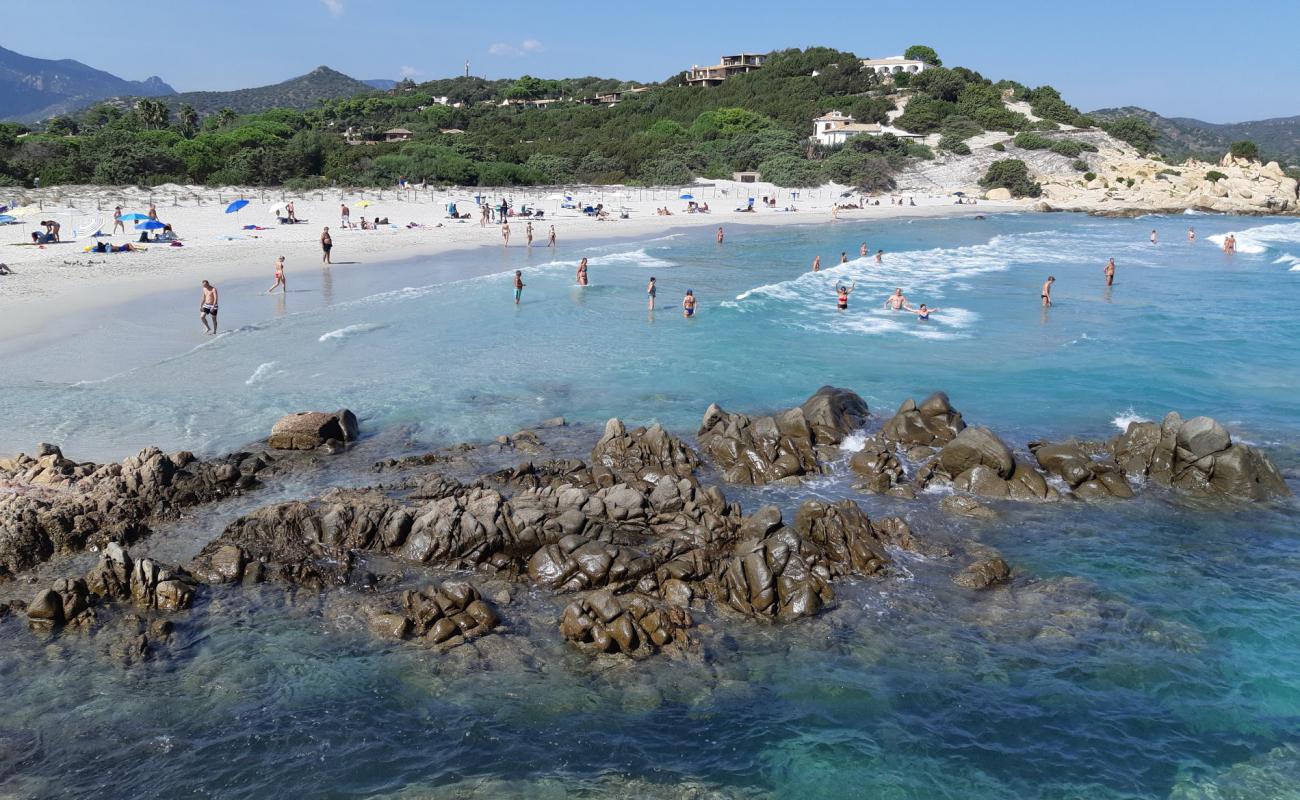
{"points": [[897, 301], [923, 313], [280, 282], [582, 272], [326, 245], [844, 257], [528, 232], [880, 256], [1154, 238], [1110, 272], [817, 264], [688, 304], [550, 237], [651, 291], [519, 285], [721, 235], [208, 307], [862, 251], [842, 293], [1046, 293], [1191, 234]]}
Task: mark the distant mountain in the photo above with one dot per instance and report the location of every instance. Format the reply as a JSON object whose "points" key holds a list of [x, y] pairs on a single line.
{"points": [[1278, 138], [33, 89], [302, 92], [383, 84]]}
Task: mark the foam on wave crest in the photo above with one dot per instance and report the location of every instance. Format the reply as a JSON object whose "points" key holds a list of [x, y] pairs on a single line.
{"points": [[351, 331]]}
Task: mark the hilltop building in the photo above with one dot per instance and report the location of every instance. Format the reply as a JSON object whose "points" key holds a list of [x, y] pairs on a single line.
{"points": [[612, 98], [835, 128], [398, 135], [885, 67], [728, 67]]}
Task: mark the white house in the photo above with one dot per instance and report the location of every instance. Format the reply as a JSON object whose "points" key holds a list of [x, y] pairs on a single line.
{"points": [[885, 67], [836, 128]]}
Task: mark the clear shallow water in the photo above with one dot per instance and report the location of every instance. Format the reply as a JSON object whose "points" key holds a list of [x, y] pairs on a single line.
{"points": [[1158, 648]]}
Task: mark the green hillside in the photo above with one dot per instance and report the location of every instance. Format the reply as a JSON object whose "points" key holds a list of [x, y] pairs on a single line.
{"points": [[1180, 137]]}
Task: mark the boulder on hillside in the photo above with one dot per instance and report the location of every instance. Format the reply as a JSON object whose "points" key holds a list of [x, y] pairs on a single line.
{"points": [[307, 430]]}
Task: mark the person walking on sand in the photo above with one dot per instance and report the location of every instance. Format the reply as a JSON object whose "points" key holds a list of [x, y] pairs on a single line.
{"points": [[1191, 234], [721, 235], [505, 234], [208, 307], [326, 244], [528, 232], [279, 278], [582, 272], [485, 212], [519, 285], [345, 216], [1047, 291], [897, 301], [817, 264], [688, 304], [880, 256], [1154, 238], [117, 220], [153, 212], [842, 293], [862, 251], [651, 291], [1110, 272], [550, 237]]}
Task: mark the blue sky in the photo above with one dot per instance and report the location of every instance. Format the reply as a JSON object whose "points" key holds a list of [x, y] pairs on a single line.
{"points": [[1221, 62]]}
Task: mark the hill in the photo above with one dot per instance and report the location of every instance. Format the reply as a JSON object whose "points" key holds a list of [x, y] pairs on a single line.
{"points": [[299, 93], [383, 84], [33, 89], [1180, 137]]}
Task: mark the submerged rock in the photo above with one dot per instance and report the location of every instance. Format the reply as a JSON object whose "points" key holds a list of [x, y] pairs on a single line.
{"points": [[632, 625], [790, 444]]}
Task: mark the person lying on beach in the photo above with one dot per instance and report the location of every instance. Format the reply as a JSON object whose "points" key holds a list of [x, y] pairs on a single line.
{"points": [[923, 313], [4, 270], [842, 293], [898, 301]]}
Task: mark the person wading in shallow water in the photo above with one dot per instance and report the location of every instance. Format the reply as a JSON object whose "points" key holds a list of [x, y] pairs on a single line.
{"points": [[842, 293], [651, 291], [519, 285], [721, 236], [688, 303], [1047, 291], [582, 272], [1110, 272], [207, 307]]}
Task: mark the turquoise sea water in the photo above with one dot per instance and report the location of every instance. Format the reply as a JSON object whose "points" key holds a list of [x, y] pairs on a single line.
{"points": [[1151, 647]]}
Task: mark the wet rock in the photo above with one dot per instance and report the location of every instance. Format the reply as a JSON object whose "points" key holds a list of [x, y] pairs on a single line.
{"points": [[976, 447], [983, 574], [851, 543], [576, 564], [879, 467], [1197, 456], [446, 615], [632, 625], [1088, 479], [307, 430], [775, 578], [790, 444], [645, 454], [932, 423], [117, 577], [964, 506]]}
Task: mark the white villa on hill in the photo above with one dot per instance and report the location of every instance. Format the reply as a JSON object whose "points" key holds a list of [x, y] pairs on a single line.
{"points": [[835, 128], [884, 67]]}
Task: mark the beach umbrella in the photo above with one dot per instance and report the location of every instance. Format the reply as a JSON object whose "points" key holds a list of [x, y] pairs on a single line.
{"points": [[235, 206], [363, 204], [134, 217], [686, 197], [5, 219], [149, 225], [959, 194]]}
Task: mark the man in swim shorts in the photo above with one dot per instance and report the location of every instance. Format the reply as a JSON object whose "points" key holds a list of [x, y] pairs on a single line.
{"points": [[651, 290], [208, 307], [519, 285], [1047, 291], [326, 245], [897, 301]]}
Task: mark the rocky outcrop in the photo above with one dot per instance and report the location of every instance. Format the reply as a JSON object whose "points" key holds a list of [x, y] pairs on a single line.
{"points": [[1197, 456], [644, 454], [880, 470], [978, 462], [307, 430], [932, 423], [791, 444], [446, 615], [983, 574], [52, 504], [1088, 479], [145, 583], [632, 625]]}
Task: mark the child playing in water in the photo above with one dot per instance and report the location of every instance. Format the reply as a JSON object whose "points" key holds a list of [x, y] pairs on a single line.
{"points": [[519, 285]]}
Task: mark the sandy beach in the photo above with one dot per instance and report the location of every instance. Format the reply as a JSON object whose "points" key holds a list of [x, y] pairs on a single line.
{"points": [[48, 283]]}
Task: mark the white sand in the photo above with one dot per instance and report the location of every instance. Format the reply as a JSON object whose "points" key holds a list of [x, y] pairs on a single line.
{"points": [[51, 282]]}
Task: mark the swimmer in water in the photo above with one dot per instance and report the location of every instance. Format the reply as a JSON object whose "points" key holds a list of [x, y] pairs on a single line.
{"points": [[862, 251], [1110, 272], [688, 304], [582, 272], [721, 236], [817, 264], [897, 301], [1047, 291], [1191, 234], [842, 293], [1154, 239], [844, 257], [923, 313], [880, 255]]}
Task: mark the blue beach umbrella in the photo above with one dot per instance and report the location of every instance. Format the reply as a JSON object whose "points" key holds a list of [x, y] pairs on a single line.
{"points": [[149, 225], [686, 197], [5, 219], [134, 217], [235, 206]]}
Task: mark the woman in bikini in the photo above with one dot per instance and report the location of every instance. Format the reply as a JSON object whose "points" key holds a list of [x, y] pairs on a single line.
{"points": [[842, 293], [279, 278], [688, 303], [582, 272]]}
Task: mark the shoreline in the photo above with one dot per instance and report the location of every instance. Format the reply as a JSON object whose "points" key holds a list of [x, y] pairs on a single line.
{"points": [[75, 282]]}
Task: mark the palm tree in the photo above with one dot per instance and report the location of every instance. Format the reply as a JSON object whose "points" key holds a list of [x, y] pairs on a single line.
{"points": [[154, 114], [226, 117], [189, 119]]}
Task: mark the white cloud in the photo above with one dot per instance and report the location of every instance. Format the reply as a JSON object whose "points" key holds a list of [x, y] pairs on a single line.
{"points": [[409, 72], [335, 7], [526, 47]]}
